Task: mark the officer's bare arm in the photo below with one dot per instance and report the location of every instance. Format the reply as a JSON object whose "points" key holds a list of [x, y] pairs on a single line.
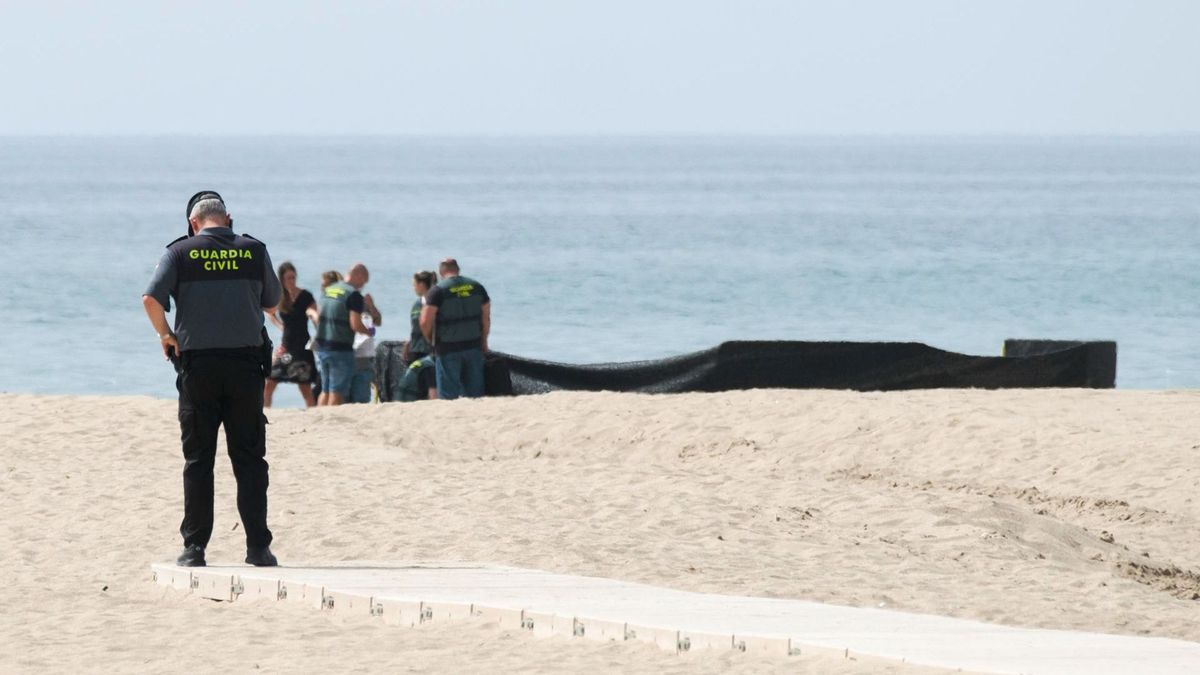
{"points": [[428, 317], [158, 319], [357, 325], [157, 315], [486, 320]]}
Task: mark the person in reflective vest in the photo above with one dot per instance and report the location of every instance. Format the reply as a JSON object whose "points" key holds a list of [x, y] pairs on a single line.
{"points": [[339, 318], [418, 382], [416, 346], [456, 320]]}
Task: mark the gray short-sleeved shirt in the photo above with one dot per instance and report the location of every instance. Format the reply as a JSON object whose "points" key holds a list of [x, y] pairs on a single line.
{"points": [[221, 282]]}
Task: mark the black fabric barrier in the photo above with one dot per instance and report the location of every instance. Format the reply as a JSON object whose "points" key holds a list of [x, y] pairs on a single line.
{"points": [[861, 366], [1101, 356], [388, 368]]}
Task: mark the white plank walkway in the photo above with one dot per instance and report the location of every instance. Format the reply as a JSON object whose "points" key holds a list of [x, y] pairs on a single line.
{"points": [[604, 609]]}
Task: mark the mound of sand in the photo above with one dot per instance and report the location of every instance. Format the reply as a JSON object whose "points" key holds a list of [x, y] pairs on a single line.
{"points": [[1059, 509]]}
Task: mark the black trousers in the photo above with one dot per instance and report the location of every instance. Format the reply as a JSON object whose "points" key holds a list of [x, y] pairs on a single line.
{"points": [[215, 388]]}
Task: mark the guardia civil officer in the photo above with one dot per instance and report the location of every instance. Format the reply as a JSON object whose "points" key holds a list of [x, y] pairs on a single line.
{"points": [[416, 347], [418, 382], [456, 320], [221, 283]]}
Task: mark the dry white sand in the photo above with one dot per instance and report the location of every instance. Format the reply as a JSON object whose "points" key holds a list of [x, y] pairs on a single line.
{"points": [[1060, 509]]}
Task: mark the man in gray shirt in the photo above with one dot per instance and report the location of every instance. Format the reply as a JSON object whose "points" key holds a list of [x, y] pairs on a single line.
{"points": [[221, 282]]}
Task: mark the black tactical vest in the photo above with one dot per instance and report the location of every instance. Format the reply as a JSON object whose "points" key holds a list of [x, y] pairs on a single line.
{"points": [[460, 316], [417, 344], [333, 329], [409, 387]]}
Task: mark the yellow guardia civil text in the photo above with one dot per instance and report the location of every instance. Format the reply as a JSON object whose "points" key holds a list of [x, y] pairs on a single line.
{"points": [[219, 260]]}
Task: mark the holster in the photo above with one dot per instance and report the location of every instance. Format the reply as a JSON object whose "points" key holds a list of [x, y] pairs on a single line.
{"points": [[266, 353]]}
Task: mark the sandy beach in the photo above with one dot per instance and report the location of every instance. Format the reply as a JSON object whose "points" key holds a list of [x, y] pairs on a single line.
{"points": [[1054, 508]]}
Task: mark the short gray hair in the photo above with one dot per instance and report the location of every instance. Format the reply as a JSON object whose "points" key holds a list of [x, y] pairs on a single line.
{"points": [[208, 208]]}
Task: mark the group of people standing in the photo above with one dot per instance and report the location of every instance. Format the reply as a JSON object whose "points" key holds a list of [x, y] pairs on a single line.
{"points": [[443, 356], [221, 284], [345, 318]]}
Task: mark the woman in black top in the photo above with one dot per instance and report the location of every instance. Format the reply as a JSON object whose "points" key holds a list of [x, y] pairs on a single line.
{"points": [[294, 361]]}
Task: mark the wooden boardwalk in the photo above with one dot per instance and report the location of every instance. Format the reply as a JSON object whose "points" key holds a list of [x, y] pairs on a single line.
{"points": [[603, 609]]}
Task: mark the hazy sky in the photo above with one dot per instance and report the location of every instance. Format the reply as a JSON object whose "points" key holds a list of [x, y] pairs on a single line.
{"points": [[609, 66]]}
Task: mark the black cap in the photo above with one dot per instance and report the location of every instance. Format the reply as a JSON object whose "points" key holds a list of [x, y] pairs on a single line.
{"points": [[198, 197]]}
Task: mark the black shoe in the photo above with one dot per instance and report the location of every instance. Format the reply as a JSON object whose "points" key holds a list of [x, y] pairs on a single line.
{"points": [[192, 556], [261, 557]]}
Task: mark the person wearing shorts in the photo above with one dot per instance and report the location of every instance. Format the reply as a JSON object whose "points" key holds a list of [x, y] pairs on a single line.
{"points": [[340, 310], [293, 361]]}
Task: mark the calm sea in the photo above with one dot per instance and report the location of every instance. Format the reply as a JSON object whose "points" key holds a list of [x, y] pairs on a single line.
{"points": [[610, 249]]}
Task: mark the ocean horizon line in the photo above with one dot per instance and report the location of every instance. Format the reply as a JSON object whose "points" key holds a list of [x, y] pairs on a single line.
{"points": [[665, 135]]}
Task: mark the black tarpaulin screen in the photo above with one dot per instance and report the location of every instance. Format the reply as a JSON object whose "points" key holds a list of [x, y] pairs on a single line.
{"points": [[861, 366]]}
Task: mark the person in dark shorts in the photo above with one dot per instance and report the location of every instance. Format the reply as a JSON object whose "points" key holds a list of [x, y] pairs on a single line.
{"points": [[417, 346], [220, 283], [293, 360], [419, 382]]}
